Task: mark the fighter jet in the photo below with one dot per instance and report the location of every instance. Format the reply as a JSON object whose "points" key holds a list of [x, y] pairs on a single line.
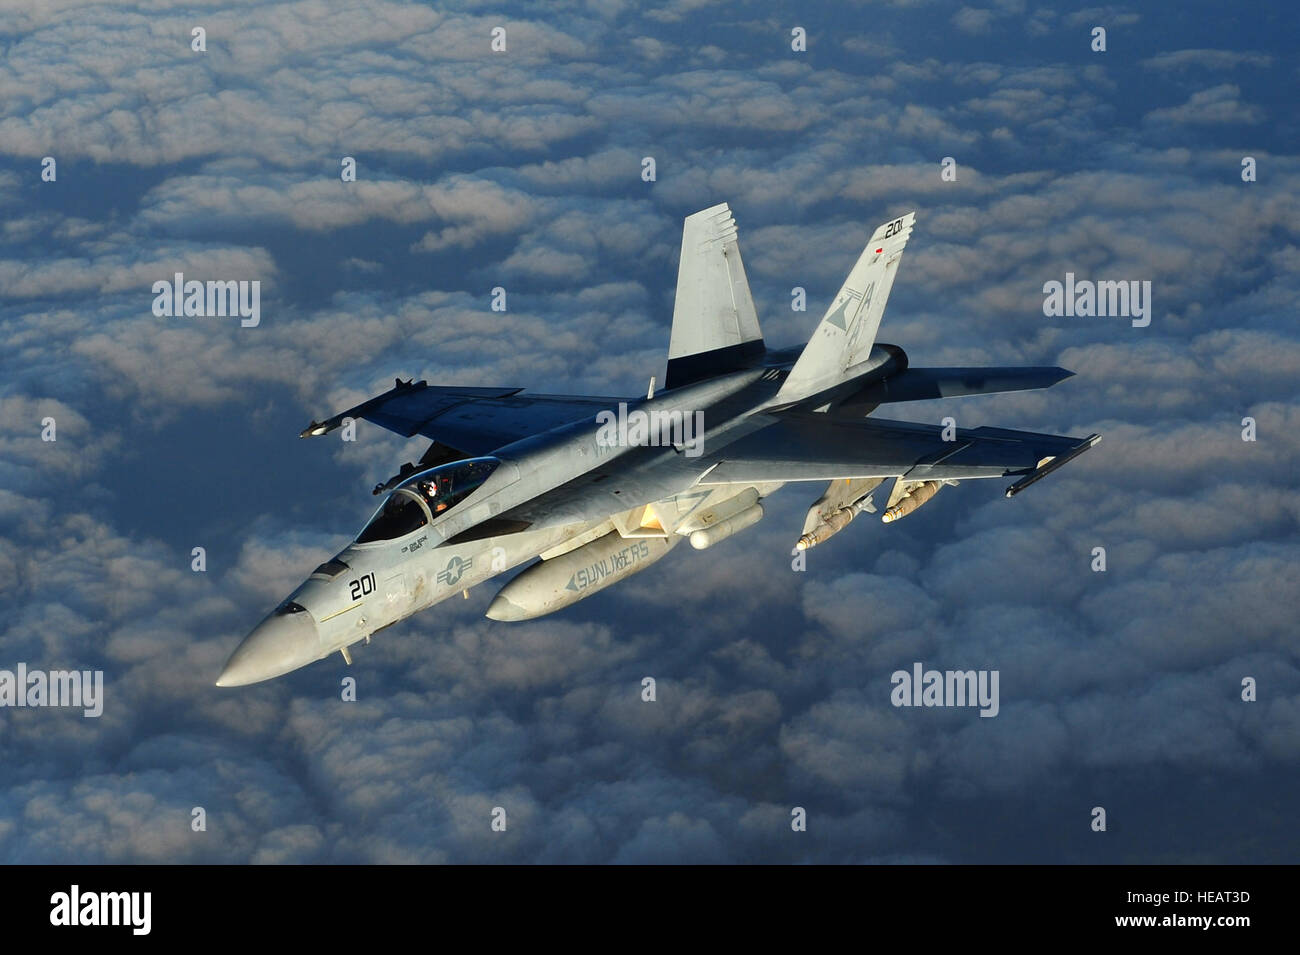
{"points": [[600, 488]]}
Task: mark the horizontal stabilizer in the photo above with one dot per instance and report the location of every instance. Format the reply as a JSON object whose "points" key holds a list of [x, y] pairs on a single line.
{"points": [[922, 384]]}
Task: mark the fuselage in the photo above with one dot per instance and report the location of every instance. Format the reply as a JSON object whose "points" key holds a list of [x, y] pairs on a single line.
{"points": [[416, 554]]}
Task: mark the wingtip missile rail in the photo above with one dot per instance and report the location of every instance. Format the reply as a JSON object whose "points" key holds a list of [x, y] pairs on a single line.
{"points": [[1047, 468]]}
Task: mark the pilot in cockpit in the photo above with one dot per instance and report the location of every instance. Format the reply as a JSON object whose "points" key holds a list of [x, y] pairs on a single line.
{"points": [[436, 491]]}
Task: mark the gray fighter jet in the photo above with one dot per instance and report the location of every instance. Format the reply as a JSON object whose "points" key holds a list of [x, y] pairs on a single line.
{"points": [[601, 488]]}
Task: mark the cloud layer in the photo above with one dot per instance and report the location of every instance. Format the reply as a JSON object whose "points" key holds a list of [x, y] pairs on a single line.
{"points": [[523, 170]]}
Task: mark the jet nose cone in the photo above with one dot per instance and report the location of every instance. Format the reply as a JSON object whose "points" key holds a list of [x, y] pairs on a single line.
{"points": [[280, 643]]}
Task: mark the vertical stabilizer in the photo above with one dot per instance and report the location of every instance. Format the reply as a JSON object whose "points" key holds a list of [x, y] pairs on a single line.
{"points": [[715, 326], [848, 329]]}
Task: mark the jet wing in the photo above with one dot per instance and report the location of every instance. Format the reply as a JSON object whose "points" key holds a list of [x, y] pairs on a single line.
{"points": [[820, 447], [473, 420], [804, 446]]}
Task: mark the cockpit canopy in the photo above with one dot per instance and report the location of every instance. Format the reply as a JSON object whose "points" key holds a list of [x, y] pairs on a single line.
{"points": [[445, 486], [426, 496]]}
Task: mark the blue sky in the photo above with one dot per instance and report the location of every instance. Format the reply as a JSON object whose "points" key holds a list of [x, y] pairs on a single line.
{"points": [[522, 169]]}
